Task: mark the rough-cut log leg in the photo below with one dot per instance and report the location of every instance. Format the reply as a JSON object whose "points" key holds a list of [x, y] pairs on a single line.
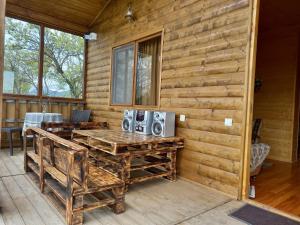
{"points": [[70, 188], [41, 154], [172, 156], [74, 218], [125, 173], [26, 168], [69, 210], [119, 194], [22, 142], [77, 217], [9, 137], [34, 143]]}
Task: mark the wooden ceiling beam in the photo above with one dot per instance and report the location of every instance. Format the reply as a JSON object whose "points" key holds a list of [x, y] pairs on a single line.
{"points": [[99, 14], [33, 16]]}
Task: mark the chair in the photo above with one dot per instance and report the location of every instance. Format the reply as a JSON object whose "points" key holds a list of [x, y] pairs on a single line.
{"points": [[71, 179], [9, 131], [92, 125], [256, 130], [78, 116]]}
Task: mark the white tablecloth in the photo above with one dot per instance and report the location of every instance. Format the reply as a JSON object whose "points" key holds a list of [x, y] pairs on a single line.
{"points": [[35, 119]]}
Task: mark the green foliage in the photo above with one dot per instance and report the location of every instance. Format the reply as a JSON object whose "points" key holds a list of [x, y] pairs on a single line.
{"points": [[63, 60]]}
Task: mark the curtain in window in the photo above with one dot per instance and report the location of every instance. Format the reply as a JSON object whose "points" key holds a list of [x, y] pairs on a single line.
{"points": [[147, 71]]}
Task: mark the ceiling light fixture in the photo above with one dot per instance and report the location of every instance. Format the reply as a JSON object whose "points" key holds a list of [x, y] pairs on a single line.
{"points": [[129, 14]]}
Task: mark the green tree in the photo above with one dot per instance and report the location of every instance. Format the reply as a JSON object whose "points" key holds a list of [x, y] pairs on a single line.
{"points": [[63, 60], [63, 63]]}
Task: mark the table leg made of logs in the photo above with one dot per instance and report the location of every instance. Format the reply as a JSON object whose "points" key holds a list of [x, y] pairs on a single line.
{"points": [[132, 160]]}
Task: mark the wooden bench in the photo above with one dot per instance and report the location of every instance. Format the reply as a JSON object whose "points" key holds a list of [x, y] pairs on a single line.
{"points": [[72, 181]]}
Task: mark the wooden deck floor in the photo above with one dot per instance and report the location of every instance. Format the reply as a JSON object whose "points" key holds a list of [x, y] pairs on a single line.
{"points": [[278, 186], [157, 202]]}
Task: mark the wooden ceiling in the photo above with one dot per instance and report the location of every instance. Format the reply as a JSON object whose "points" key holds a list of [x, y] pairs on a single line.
{"points": [[72, 15], [279, 13]]}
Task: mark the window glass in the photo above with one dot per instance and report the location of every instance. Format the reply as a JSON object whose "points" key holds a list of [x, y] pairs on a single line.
{"points": [[122, 75], [63, 64], [21, 57], [147, 70]]}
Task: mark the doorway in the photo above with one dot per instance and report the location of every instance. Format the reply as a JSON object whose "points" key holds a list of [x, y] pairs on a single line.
{"points": [[275, 174]]}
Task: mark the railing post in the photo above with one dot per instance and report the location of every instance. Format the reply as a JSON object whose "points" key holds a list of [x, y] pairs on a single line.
{"points": [[2, 31]]}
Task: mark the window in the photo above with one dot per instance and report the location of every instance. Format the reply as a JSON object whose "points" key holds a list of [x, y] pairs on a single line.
{"points": [[21, 57], [62, 57], [123, 74], [135, 79], [63, 64]]}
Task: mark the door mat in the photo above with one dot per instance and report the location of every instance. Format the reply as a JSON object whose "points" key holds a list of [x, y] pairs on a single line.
{"points": [[258, 216]]}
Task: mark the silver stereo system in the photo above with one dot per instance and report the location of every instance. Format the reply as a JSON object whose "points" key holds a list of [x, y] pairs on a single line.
{"points": [[163, 124], [128, 120], [143, 122]]}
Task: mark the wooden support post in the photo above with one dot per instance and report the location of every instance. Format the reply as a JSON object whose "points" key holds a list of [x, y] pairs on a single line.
{"points": [[42, 173], [172, 165], [71, 217], [125, 173], [2, 31], [119, 195], [26, 168]]}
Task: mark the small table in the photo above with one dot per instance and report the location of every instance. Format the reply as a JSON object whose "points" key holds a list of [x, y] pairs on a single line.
{"points": [[10, 131], [132, 157], [35, 119]]}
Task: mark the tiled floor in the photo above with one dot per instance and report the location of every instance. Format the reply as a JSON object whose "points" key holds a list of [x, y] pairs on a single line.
{"points": [[157, 202]]}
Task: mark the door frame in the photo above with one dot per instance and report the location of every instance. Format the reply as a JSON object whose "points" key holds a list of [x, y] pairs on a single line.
{"points": [[249, 99]]}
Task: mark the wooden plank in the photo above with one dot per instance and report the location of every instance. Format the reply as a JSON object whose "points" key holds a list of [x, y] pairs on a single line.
{"points": [[12, 167], [9, 210], [75, 14], [24, 207], [48, 214], [99, 14], [14, 10]]}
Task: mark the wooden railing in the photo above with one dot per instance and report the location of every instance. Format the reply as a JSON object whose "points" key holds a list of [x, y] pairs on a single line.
{"points": [[15, 108]]}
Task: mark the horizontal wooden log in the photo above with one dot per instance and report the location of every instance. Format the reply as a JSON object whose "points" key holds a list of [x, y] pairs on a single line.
{"points": [[210, 137], [231, 103], [213, 149], [211, 161]]}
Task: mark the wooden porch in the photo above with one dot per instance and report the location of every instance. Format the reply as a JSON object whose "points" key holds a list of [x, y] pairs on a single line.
{"points": [[195, 57], [149, 203]]}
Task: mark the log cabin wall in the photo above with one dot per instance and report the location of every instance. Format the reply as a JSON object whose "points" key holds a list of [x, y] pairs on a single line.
{"points": [[275, 102], [203, 73]]}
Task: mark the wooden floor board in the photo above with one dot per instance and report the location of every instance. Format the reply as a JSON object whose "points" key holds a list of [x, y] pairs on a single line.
{"points": [[26, 209], [13, 164], [278, 186], [48, 214], [9, 211], [3, 169]]}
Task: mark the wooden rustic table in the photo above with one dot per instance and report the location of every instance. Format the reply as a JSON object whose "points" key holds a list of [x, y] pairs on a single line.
{"points": [[132, 157]]}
